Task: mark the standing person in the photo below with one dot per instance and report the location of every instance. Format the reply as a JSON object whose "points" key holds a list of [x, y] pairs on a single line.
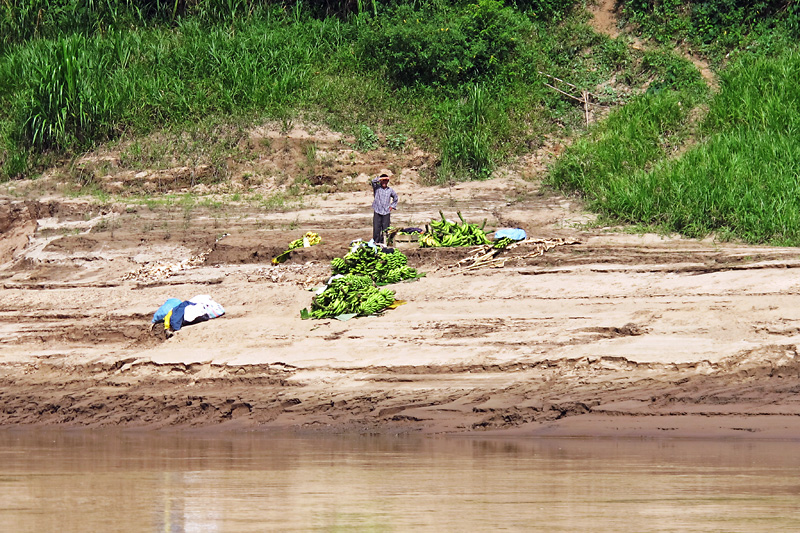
{"points": [[383, 203]]}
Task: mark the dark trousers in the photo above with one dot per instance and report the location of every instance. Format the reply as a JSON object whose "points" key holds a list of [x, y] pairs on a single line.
{"points": [[380, 223]]}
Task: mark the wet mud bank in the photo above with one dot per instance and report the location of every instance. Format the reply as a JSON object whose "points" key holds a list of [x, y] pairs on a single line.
{"points": [[751, 395]]}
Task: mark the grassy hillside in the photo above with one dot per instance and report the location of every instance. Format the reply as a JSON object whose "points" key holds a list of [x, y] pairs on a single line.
{"points": [[734, 171]]}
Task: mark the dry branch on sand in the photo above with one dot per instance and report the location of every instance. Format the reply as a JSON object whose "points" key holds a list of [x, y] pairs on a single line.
{"points": [[487, 256]]}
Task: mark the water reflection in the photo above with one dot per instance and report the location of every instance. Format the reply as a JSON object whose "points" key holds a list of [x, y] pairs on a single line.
{"points": [[98, 481]]}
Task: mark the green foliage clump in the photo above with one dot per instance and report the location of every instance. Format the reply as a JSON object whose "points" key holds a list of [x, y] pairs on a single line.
{"points": [[366, 139], [727, 22], [662, 21], [435, 46], [716, 25], [671, 72], [547, 10], [397, 141]]}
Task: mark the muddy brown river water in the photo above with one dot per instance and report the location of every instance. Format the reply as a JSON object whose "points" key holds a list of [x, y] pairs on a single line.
{"points": [[103, 481]]}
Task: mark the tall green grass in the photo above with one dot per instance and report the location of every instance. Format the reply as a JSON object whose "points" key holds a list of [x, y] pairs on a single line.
{"points": [[742, 180], [466, 149], [68, 93], [25, 20]]}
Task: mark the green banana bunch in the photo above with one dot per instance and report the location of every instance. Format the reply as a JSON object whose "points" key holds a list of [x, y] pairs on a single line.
{"points": [[502, 243], [312, 239], [445, 233], [376, 302], [350, 294], [381, 267]]}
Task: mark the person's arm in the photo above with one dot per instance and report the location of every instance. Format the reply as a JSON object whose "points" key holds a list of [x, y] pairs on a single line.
{"points": [[393, 204], [375, 185]]}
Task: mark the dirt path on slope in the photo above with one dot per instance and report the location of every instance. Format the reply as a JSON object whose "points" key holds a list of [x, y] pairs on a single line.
{"points": [[606, 20]]}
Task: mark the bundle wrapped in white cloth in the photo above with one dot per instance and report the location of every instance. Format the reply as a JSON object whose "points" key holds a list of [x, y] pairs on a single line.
{"points": [[204, 308]]}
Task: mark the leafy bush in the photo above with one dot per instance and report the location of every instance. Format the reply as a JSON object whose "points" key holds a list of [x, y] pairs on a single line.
{"points": [[661, 20], [718, 24], [729, 20], [397, 142], [366, 139], [547, 10], [442, 47]]}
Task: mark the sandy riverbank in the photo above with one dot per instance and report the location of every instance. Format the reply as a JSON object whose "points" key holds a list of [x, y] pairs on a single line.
{"points": [[614, 334]]}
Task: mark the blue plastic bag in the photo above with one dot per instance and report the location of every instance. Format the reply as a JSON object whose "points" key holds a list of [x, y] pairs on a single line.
{"points": [[512, 233], [162, 311]]}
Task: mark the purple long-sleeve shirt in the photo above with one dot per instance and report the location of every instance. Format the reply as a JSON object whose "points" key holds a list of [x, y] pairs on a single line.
{"points": [[385, 198]]}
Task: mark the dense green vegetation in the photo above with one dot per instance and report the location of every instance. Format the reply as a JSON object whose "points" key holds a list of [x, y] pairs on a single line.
{"points": [[467, 80], [740, 174], [713, 26], [463, 80]]}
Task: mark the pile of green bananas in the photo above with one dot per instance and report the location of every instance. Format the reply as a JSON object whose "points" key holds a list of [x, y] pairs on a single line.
{"points": [[310, 237], [381, 267], [445, 233], [349, 294]]}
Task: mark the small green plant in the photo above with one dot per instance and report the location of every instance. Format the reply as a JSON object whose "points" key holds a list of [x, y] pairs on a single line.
{"points": [[16, 164], [310, 155], [274, 202], [397, 142], [366, 139]]}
